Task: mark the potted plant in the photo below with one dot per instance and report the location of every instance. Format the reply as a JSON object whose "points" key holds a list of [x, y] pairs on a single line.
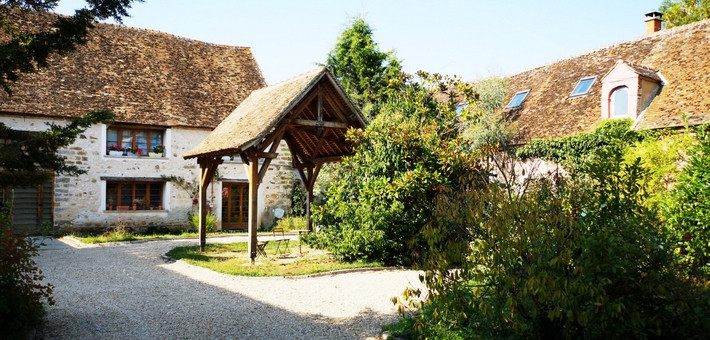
{"points": [[110, 203], [114, 150], [134, 152], [157, 151]]}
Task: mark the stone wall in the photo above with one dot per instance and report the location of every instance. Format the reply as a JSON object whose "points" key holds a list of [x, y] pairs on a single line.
{"points": [[80, 202]]}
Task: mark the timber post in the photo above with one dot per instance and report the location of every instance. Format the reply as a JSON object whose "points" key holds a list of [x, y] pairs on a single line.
{"points": [[253, 196]]}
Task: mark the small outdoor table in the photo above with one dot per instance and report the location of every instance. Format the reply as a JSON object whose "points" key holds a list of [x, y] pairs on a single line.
{"points": [[300, 231]]}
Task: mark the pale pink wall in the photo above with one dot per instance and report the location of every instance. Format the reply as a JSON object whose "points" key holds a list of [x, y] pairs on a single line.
{"points": [[621, 75]]}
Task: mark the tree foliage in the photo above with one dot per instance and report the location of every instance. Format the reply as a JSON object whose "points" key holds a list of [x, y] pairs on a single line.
{"points": [[384, 193], [688, 210], [28, 157], [681, 12], [574, 257], [368, 75]]}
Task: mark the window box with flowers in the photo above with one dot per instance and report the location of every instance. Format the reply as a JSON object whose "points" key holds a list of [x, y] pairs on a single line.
{"points": [[158, 151], [133, 141], [114, 150]]}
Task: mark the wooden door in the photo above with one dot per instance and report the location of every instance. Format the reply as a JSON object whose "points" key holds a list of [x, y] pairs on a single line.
{"points": [[235, 205]]}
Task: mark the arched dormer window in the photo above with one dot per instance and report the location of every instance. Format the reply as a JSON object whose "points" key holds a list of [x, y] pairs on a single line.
{"points": [[619, 102]]}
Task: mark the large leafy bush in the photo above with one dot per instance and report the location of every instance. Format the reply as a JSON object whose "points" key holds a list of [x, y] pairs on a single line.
{"points": [[688, 210], [574, 257], [384, 194]]}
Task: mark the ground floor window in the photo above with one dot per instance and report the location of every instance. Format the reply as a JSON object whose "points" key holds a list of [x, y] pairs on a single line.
{"points": [[134, 195]]}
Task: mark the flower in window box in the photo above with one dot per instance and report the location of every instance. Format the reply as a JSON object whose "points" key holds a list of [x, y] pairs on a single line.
{"points": [[157, 151], [114, 150]]}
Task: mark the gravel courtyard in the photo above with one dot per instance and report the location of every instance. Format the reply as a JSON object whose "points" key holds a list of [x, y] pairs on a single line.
{"points": [[127, 291]]}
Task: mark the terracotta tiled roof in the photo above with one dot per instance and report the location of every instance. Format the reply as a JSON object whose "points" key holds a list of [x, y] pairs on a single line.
{"points": [[144, 76], [680, 55]]}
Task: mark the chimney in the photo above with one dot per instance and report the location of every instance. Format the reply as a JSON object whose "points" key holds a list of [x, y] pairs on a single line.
{"points": [[654, 20]]}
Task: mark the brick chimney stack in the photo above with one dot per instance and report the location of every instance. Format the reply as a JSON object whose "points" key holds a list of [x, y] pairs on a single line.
{"points": [[654, 20]]}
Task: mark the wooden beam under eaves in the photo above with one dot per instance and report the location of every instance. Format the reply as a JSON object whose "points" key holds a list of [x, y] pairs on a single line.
{"points": [[315, 123]]}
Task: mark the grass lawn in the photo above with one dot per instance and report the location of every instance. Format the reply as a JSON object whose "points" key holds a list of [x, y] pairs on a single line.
{"points": [[121, 236], [233, 259]]}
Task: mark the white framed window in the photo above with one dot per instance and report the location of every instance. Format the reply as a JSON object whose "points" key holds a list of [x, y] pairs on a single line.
{"points": [[583, 86], [517, 99], [619, 102]]}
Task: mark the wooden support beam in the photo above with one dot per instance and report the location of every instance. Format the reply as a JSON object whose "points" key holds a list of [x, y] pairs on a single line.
{"points": [[267, 155], [321, 139], [319, 110], [315, 123], [303, 104], [329, 159], [253, 197], [208, 167], [337, 109]]}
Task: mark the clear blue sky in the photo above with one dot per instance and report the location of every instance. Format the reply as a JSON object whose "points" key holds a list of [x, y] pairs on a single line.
{"points": [[472, 39]]}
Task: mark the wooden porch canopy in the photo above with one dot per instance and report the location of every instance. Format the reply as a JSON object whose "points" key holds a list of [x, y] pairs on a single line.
{"points": [[311, 113]]}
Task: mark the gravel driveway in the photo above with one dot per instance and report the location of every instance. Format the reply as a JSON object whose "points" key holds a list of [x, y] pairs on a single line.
{"points": [[127, 291]]}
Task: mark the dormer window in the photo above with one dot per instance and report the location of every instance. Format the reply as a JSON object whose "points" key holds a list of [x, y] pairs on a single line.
{"points": [[517, 99], [583, 86], [619, 102], [628, 89]]}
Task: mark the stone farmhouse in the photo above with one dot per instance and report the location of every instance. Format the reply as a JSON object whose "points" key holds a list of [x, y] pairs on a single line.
{"points": [[168, 93], [660, 80]]}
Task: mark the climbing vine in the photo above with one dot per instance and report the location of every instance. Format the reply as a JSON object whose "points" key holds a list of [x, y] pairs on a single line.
{"points": [[574, 149]]}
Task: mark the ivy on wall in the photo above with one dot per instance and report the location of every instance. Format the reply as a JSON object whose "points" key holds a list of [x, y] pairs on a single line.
{"points": [[575, 149]]}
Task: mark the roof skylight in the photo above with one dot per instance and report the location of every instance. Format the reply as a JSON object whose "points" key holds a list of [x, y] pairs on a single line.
{"points": [[517, 99], [583, 86]]}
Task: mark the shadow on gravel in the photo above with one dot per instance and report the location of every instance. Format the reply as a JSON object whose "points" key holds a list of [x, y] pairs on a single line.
{"points": [[124, 292]]}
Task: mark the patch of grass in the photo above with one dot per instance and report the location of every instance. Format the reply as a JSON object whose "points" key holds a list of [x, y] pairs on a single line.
{"points": [[113, 236], [118, 235], [233, 259]]}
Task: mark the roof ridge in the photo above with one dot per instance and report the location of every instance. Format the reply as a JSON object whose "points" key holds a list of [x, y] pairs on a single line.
{"points": [[151, 30], [673, 30], [290, 79]]}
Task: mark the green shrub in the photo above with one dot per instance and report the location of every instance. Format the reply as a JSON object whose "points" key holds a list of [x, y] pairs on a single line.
{"points": [[577, 257], [298, 199], [21, 291], [688, 210], [384, 193], [662, 158], [291, 223], [210, 221]]}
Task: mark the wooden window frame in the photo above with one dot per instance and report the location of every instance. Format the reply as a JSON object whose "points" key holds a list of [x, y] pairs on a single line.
{"points": [[134, 131], [147, 204]]}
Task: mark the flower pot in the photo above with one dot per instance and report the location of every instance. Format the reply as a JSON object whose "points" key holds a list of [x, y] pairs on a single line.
{"points": [[155, 154], [122, 207], [115, 153]]}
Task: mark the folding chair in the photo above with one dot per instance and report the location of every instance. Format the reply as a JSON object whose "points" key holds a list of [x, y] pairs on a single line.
{"points": [[280, 237], [260, 251]]}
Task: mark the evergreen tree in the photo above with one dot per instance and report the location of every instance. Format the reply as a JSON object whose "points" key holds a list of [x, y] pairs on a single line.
{"points": [[368, 75]]}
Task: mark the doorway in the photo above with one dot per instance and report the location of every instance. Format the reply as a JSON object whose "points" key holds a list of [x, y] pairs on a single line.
{"points": [[235, 205]]}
